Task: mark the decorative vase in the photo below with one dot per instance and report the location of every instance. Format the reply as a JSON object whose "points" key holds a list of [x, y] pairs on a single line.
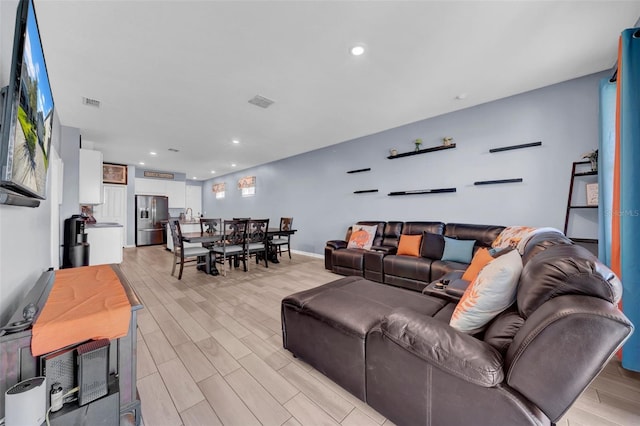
{"points": [[393, 152], [447, 141], [594, 164]]}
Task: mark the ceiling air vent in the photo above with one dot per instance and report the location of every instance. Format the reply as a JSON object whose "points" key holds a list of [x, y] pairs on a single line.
{"points": [[261, 101], [91, 102], [174, 150]]}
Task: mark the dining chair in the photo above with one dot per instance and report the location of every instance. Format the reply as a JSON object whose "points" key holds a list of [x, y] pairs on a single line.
{"points": [[182, 254], [258, 239], [232, 244], [279, 240]]}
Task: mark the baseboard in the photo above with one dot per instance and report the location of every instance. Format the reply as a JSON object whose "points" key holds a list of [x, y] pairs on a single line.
{"points": [[306, 253]]}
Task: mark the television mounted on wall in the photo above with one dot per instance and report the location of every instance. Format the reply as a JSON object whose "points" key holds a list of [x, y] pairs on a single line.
{"points": [[27, 116]]}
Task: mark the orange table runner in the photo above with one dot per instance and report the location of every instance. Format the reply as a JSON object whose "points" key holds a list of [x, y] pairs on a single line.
{"points": [[84, 303]]}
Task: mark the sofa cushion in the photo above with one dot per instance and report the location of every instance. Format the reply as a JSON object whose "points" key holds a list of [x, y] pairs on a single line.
{"points": [[414, 268], [501, 331], [493, 291], [391, 234], [483, 234], [480, 259], [511, 236], [565, 269], [410, 245], [362, 236], [458, 354], [432, 245], [458, 250]]}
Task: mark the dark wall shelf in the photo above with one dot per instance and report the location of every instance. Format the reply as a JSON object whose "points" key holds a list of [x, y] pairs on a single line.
{"points": [[422, 151], [423, 191], [586, 173], [360, 170], [494, 182], [365, 191], [583, 207], [509, 148]]}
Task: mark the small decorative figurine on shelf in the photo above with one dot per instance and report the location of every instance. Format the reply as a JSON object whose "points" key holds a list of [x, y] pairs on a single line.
{"points": [[446, 141], [418, 142], [592, 156], [393, 152]]}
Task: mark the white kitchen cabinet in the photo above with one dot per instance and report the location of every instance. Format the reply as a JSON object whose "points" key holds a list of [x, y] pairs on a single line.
{"points": [[173, 189], [150, 187], [105, 243], [176, 193], [193, 199], [185, 227], [90, 185]]}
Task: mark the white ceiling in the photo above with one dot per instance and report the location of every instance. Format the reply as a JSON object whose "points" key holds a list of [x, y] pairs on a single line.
{"points": [[179, 74]]}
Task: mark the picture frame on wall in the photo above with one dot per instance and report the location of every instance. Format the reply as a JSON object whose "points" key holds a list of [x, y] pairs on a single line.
{"points": [[592, 194], [114, 173]]}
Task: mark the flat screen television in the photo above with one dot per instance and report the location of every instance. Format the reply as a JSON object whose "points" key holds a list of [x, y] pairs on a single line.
{"points": [[27, 116]]}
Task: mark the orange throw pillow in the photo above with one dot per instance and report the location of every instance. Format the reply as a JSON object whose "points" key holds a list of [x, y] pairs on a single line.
{"points": [[410, 245], [481, 258]]}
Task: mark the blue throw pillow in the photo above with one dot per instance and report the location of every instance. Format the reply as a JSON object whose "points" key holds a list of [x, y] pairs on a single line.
{"points": [[458, 250]]}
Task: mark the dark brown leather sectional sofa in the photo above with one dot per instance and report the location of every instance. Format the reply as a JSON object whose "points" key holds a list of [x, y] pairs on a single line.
{"points": [[392, 346], [381, 264]]}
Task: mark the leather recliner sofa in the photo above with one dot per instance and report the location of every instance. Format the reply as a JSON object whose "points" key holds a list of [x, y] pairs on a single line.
{"points": [[393, 347], [382, 264]]}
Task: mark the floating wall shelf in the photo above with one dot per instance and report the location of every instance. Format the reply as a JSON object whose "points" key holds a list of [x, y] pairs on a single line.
{"points": [[509, 148], [423, 191], [364, 191], [493, 182], [422, 151], [360, 170]]}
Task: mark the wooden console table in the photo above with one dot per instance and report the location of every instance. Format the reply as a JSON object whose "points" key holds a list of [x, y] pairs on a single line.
{"points": [[17, 362]]}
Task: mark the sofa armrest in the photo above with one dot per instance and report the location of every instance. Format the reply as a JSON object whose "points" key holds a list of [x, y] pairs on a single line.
{"points": [[385, 249], [439, 344], [337, 244]]}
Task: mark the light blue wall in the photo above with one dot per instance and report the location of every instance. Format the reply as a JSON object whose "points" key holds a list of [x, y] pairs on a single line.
{"points": [[315, 189], [25, 233]]}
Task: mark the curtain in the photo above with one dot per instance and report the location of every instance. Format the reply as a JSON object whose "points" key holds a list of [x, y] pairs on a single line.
{"points": [[606, 156], [619, 182]]}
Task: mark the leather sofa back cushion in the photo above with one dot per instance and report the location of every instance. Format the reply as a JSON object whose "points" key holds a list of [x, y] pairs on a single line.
{"points": [[415, 228], [391, 235], [432, 245], [410, 245], [565, 269], [541, 242], [483, 234]]}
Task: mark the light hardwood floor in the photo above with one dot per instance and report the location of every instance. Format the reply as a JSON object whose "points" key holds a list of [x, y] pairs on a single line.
{"points": [[210, 353]]}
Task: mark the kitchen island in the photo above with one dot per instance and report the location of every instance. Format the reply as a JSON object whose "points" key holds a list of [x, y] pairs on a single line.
{"points": [[105, 242], [186, 226]]}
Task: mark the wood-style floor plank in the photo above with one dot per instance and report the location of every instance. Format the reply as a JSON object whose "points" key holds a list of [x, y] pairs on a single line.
{"points": [[212, 347]]}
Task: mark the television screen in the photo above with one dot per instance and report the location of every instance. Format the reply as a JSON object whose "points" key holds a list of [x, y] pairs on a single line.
{"points": [[28, 112]]}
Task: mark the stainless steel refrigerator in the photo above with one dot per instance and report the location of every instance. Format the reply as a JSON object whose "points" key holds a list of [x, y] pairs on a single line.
{"points": [[152, 214]]}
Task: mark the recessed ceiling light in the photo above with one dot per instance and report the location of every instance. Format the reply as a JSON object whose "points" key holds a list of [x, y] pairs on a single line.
{"points": [[461, 96], [141, 163], [194, 177], [357, 50], [233, 165], [153, 153], [213, 171], [236, 141]]}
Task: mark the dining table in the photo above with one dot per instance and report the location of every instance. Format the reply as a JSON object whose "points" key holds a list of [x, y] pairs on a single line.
{"points": [[203, 237]]}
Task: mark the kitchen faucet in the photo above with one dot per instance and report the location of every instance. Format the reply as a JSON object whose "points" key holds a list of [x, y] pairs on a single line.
{"points": [[189, 212]]}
